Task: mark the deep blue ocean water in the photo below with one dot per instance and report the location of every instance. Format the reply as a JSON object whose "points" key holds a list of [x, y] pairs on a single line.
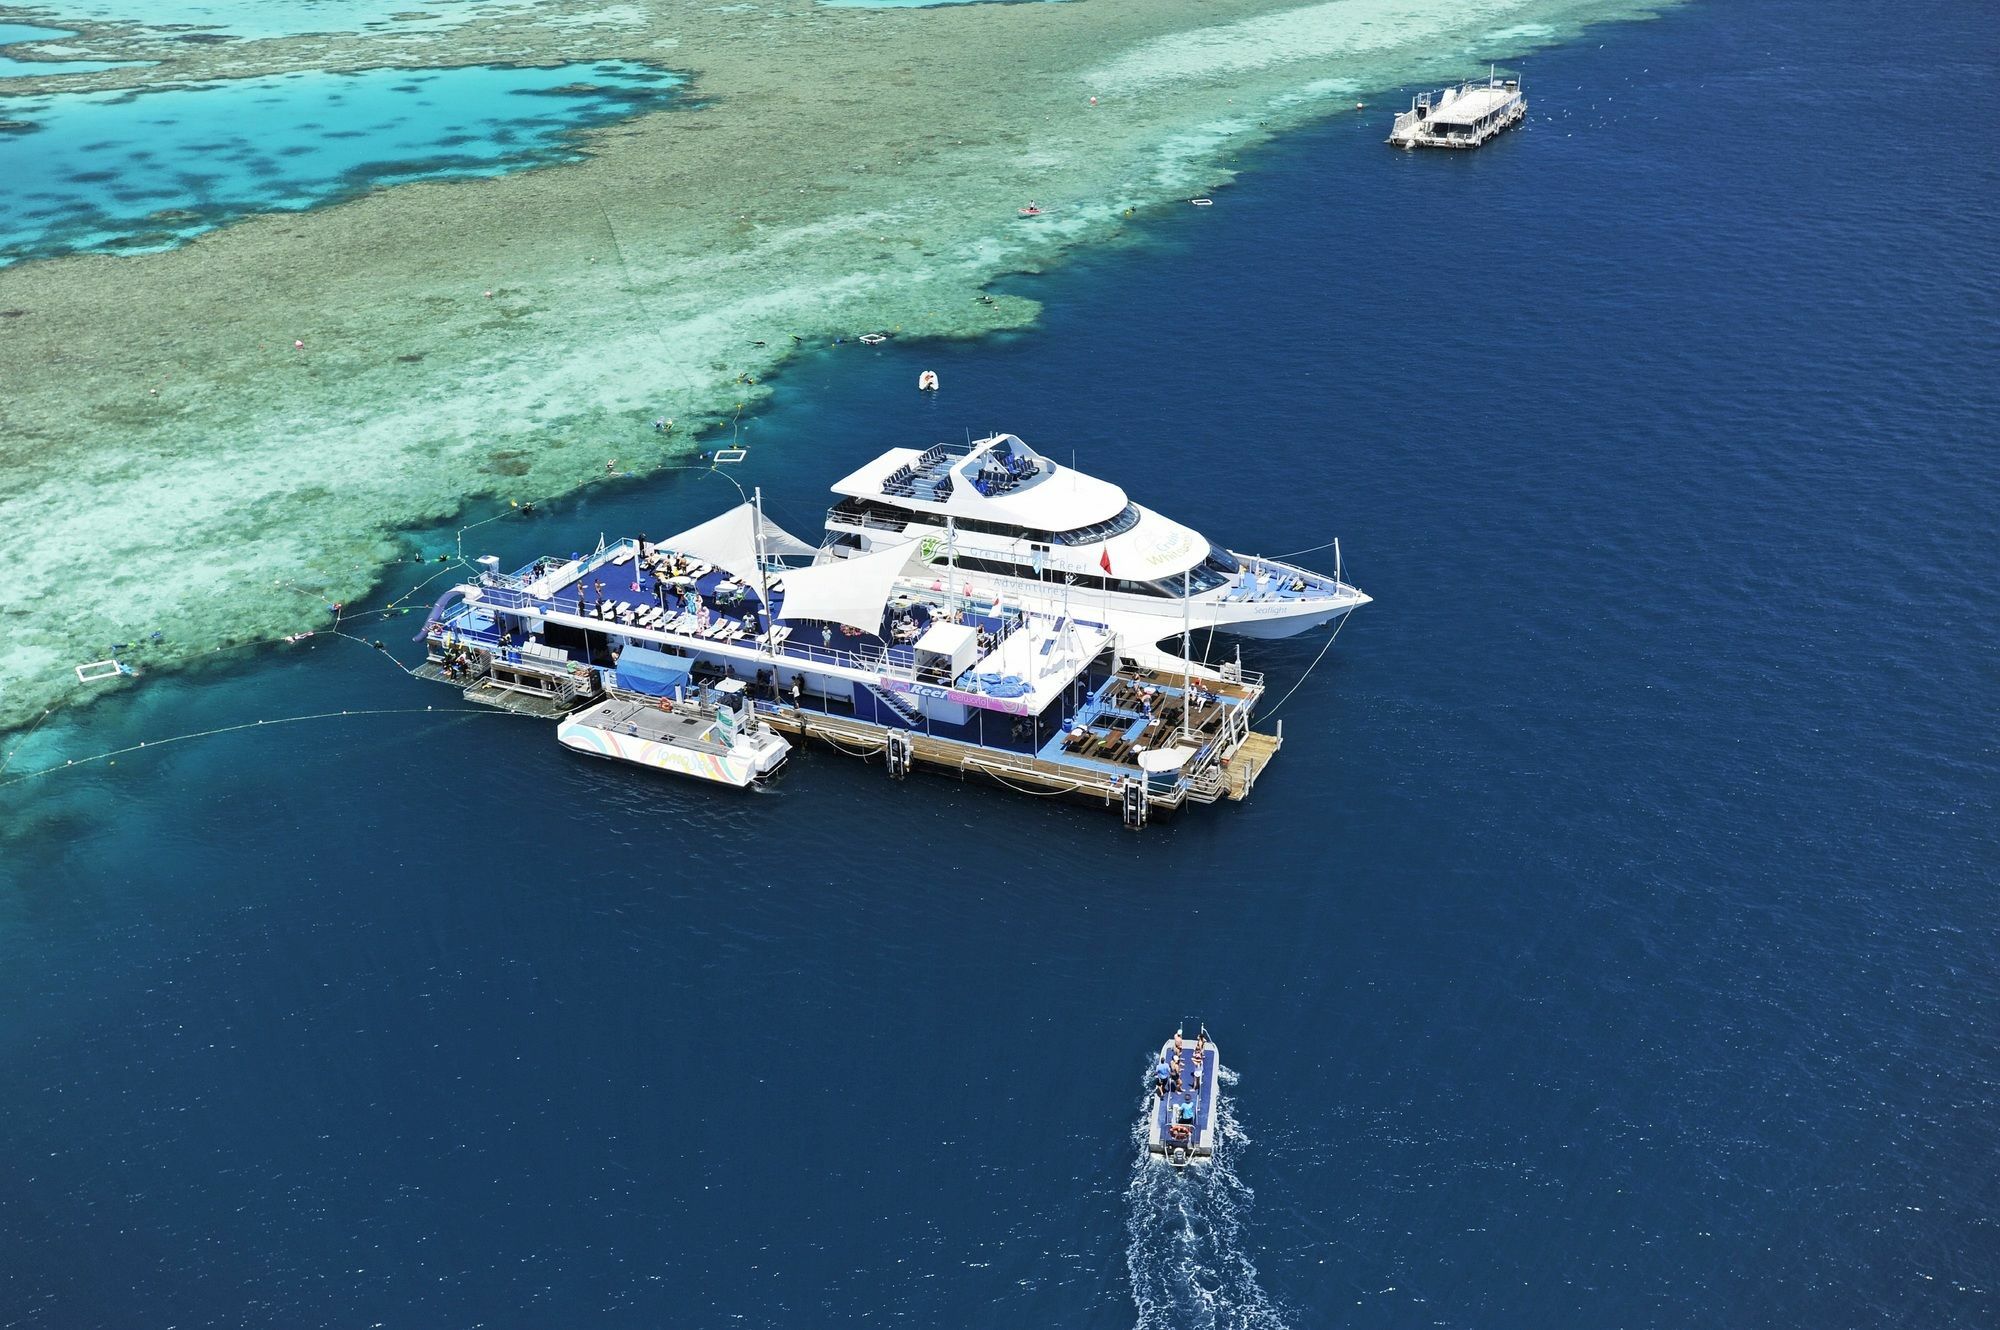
{"points": [[147, 170], [1613, 943]]}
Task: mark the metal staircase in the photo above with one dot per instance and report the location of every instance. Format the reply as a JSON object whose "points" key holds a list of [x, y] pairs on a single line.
{"points": [[888, 699]]}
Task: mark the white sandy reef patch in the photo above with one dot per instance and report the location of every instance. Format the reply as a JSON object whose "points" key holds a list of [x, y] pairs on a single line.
{"points": [[847, 169]]}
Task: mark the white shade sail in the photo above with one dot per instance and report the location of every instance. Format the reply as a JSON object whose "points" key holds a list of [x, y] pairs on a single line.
{"points": [[730, 542], [778, 541], [850, 591]]}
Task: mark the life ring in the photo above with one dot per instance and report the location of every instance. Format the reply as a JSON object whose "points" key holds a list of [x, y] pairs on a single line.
{"points": [[666, 704]]}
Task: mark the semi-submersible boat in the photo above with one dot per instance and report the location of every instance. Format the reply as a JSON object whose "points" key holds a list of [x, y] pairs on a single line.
{"points": [[974, 607]]}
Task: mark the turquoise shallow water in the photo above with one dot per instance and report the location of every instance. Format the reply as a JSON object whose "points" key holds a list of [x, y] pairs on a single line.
{"points": [[922, 4], [14, 67], [1613, 943], [133, 171], [251, 19]]}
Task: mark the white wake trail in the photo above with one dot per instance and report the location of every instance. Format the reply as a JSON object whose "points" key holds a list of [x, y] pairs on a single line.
{"points": [[1187, 1255]]}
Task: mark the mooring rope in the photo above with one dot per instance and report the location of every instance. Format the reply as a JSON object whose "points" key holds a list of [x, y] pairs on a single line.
{"points": [[24, 739], [1043, 794], [1296, 553], [1309, 669], [864, 754], [69, 763]]}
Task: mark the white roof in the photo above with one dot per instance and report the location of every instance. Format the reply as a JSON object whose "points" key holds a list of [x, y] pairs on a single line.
{"points": [[1471, 104], [946, 638], [1055, 498]]}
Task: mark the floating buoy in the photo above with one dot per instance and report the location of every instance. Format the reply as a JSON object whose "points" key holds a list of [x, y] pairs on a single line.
{"points": [[298, 345], [927, 382], [1093, 101], [1361, 106], [489, 295]]}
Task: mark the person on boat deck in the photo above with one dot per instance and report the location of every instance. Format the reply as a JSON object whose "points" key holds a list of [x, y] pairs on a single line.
{"points": [[1200, 1048], [1176, 1074], [1160, 1078]]}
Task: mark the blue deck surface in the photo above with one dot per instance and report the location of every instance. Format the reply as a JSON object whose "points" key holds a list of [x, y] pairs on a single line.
{"points": [[1106, 721], [635, 586], [1204, 1100]]}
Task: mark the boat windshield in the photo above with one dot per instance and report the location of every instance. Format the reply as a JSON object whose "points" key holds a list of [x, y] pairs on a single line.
{"points": [[1217, 569], [1096, 531]]}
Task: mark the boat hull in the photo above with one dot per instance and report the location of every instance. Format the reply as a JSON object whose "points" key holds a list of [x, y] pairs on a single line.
{"points": [[1271, 629], [1197, 1144]]}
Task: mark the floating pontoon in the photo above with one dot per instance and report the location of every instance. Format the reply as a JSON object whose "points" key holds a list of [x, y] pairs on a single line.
{"points": [[1462, 117]]}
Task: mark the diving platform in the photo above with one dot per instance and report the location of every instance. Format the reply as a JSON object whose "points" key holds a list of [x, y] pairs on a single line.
{"points": [[867, 653]]}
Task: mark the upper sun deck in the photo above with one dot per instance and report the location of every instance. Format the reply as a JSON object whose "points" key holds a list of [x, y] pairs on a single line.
{"points": [[996, 479], [1473, 104]]}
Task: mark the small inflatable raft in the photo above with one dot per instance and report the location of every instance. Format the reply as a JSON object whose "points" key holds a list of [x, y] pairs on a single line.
{"points": [[927, 382]]}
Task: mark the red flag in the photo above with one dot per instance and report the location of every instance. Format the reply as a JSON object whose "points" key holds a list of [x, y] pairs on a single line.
{"points": [[1104, 559]]}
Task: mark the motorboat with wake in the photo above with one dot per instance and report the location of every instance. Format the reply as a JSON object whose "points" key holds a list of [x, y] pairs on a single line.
{"points": [[1181, 1126]]}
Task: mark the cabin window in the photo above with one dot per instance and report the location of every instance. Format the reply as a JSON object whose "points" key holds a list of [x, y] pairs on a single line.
{"points": [[1099, 531]]}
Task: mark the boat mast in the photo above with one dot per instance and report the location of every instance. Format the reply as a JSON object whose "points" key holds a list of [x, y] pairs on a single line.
{"points": [[763, 579], [951, 557], [1187, 652]]}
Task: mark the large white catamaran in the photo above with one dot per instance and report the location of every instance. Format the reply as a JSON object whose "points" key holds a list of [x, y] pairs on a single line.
{"points": [[993, 514]]}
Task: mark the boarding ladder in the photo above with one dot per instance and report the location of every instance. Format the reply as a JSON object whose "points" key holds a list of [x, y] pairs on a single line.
{"points": [[896, 704]]}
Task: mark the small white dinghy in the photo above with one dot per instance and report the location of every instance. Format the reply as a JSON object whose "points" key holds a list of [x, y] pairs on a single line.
{"points": [[927, 382]]}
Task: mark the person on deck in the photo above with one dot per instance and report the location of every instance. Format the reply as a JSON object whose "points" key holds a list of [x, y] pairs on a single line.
{"points": [[1160, 1079]]}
